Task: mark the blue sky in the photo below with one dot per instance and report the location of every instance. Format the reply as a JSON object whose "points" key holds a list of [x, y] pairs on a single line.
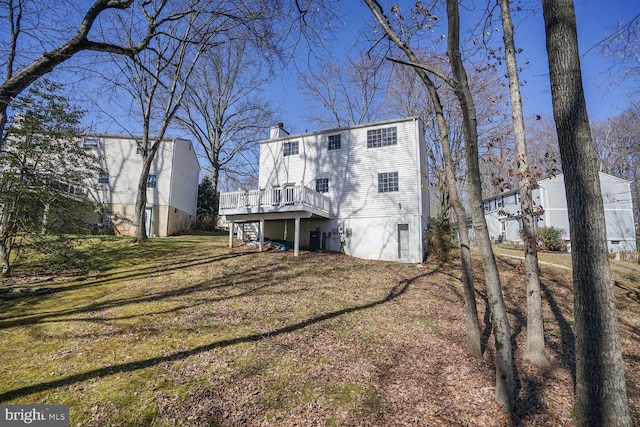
{"points": [[595, 18]]}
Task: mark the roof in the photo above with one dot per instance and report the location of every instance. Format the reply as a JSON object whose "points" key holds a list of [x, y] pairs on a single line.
{"points": [[336, 130]]}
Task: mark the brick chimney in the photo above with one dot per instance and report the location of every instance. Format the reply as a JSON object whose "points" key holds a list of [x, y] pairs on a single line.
{"points": [[278, 131]]}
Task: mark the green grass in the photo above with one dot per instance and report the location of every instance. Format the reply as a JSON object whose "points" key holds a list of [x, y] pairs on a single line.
{"points": [[183, 331]]}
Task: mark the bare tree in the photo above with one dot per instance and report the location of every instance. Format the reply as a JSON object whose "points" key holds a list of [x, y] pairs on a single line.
{"points": [[534, 350], [20, 74], [542, 147], [223, 112], [500, 323], [623, 49], [600, 390], [349, 92], [616, 144], [471, 314], [408, 95], [156, 81]]}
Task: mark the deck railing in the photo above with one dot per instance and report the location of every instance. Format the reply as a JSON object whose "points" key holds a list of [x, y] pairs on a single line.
{"points": [[275, 197]]}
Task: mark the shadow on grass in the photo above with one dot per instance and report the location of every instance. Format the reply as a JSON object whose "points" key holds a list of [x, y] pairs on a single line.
{"points": [[394, 293], [246, 276]]}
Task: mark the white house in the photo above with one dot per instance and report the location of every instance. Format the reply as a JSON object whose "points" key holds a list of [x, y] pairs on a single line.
{"points": [[172, 187], [503, 214], [360, 190]]}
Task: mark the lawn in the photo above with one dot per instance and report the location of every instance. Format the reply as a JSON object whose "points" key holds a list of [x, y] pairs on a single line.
{"points": [[182, 331]]}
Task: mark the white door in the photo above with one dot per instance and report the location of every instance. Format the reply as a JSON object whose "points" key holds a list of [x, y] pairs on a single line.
{"points": [[403, 241]]}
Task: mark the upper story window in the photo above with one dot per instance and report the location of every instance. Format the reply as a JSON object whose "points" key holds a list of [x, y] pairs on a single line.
{"points": [[322, 185], [387, 182], [152, 180], [382, 137], [139, 146], [290, 148], [90, 143], [103, 177], [487, 207], [335, 142]]}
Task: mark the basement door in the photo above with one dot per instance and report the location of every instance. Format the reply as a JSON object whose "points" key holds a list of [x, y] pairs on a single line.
{"points": [[403, 241]]}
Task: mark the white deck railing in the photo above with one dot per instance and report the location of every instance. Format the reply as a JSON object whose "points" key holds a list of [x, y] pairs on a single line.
{"points": [[274, 197]]}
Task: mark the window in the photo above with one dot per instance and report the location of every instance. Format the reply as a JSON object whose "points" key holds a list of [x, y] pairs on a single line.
{"points": [[487, 207], [290, 148], [500, 202], [151, 181], [90, 143], [322, 185], [139, 146], [387, 182], [382, 137], [103, 177], [335, 142]]}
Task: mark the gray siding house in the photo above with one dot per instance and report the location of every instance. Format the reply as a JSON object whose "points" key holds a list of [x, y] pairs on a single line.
{"points": [[503, 215], [360, 190]]}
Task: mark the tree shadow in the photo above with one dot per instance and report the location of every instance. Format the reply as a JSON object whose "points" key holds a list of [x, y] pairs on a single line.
{"points": [[393, 293], [567, 349], [33, 294]]}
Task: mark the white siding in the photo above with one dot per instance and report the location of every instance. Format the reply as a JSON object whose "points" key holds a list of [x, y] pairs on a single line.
{"points": [[352, 171], [551, 195], [184, 177], [176, 169]]}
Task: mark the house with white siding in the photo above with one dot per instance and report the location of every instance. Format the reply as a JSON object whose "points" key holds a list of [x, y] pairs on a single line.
{"points": [[360, 190], [504, 221], [172, 186]]}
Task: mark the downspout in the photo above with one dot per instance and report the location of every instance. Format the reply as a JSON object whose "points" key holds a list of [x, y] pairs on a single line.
{"points": [[173, 158]]}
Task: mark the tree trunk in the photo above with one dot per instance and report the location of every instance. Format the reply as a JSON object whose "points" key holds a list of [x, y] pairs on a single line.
{"points": [[601, 396], [471, 311], [501, 328], [4, 260], [534, 351], [141, 235]]}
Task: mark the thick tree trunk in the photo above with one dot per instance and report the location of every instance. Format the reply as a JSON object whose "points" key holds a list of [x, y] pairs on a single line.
{"points": [[534, 350], [501, 328], [471, 312], [601, 396]]}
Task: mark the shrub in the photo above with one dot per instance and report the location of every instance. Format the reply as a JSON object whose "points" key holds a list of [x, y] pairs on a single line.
{"points": [[551, 239], [440, 237]]}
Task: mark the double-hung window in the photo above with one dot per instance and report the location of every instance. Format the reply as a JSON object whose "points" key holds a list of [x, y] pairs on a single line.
{"points": [[322, 185], [152, 181], [382, 137], [103, 177], [335, 142], [139, 146], [387, 182], [90, 143], [290, 148]]}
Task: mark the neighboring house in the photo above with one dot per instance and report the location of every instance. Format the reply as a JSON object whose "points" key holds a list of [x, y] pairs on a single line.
{"points": [[360, 190], [172, 187], [504, 222]]}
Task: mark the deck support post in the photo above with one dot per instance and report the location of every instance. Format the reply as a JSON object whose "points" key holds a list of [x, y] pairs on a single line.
{"points": [[261, 233], [296, 240], [231, 224]]}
